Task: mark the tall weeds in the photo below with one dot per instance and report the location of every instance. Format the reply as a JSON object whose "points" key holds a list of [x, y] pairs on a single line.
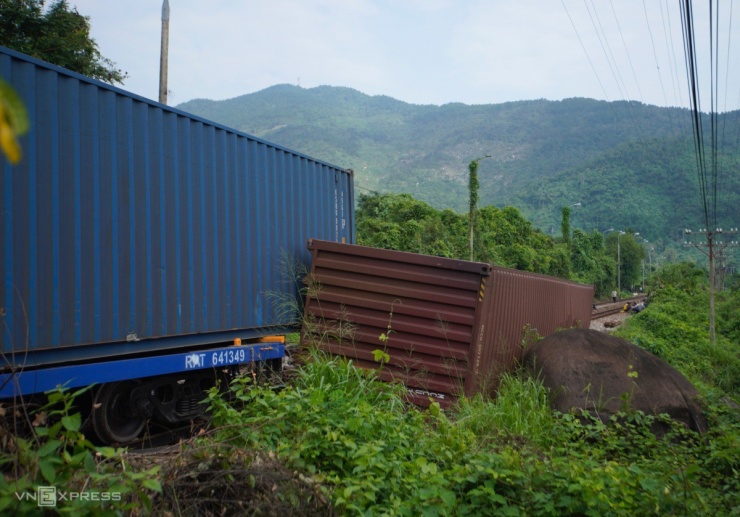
{"points": [[520, 411], [374, 455], [55, 454]]}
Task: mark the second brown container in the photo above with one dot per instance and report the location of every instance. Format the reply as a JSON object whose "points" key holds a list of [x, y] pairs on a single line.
{"points": [[443, 327]]}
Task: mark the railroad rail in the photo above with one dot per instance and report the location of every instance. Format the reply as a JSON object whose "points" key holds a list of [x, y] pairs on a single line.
{"points": [[611, 308]]}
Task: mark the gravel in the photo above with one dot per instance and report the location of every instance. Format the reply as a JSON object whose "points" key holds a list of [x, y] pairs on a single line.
{"points": [[616, 319]]}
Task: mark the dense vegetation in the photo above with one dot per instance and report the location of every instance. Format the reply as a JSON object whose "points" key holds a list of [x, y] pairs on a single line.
{"points": [[629, 165], [59, 35], [679, 314], [510, 456], [334, 439], [47, 448], [650, 186], [502, 237]]}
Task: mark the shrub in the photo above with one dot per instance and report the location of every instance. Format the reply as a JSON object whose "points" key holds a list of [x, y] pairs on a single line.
{"points": [[374, 455], [87, 480]]}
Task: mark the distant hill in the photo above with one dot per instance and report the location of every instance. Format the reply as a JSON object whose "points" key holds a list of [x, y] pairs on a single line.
{"points": [[628, 164]]}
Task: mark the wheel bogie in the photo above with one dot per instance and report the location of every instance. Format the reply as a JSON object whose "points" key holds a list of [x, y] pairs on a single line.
{"points": [[121, 410], [114, 416]]}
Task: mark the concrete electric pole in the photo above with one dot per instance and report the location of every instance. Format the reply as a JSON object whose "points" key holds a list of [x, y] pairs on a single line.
{"points": [[164, 50], [713, 247]]}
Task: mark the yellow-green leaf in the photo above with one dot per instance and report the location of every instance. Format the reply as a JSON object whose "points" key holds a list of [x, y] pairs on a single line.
{"points": [[13, 122], [15, 110]]}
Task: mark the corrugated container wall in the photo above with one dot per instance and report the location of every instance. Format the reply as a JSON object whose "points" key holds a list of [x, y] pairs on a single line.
{"points": [[127, 220], [449, 327]]}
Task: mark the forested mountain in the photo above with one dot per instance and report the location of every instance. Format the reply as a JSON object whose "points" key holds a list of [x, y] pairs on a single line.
{"points": [[628, 164]]}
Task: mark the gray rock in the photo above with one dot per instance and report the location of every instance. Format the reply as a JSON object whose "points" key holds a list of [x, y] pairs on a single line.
{"points": [[603, 374]]}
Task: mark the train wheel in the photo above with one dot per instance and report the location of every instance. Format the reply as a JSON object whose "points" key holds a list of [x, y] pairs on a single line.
{"points": [[113, 418]]}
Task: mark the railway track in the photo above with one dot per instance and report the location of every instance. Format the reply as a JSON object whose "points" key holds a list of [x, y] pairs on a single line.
{"points": [[609, 309]]}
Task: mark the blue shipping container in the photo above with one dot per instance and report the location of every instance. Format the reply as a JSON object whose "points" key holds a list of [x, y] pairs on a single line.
{"points": [[132, 227]]}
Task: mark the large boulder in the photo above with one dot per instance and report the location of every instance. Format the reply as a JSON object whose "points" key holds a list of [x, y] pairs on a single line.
{"points": [[603, 374]]}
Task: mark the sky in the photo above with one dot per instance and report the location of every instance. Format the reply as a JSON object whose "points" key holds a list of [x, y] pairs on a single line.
{"points": [[422, 51]]}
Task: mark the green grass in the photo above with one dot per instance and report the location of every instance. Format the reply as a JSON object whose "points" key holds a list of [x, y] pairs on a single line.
{"points": [[373, 455], [520, 411], [676, 328]]}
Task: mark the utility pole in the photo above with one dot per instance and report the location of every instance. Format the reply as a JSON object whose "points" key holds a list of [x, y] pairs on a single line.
{"points": [[164, 52], [721, 269], [645, 241], [711, 248], [619, 265]]}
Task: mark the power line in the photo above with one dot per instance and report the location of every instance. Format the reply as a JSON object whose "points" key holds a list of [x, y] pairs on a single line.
{"points": [[671, 49], [727, 63], [626, 51], [598, 79], [655, 55], [733, 148], [692, 74], [612, 62], [357, 186], [605, 48], [713, 246], [714, 82], [610, 59], [672, 71]]}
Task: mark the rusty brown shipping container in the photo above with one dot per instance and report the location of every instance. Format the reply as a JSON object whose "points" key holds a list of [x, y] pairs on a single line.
{"points": [[448, 326]]}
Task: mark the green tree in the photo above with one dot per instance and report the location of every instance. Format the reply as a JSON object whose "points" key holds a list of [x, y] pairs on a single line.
{"points": [[589, 261], [629, 254], [473, 186], [565, 225], [683, 276], [504, 236], [508, 239], [400, 222], [59, 35]]}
